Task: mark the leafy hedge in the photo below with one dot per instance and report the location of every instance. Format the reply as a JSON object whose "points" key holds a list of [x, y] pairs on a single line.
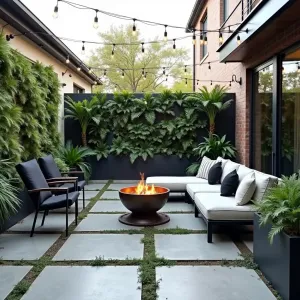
{"points": [[162, 124], [29, 101]]}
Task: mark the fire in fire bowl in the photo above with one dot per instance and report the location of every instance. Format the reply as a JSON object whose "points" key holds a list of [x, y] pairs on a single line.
{"points": [[144, 207]]}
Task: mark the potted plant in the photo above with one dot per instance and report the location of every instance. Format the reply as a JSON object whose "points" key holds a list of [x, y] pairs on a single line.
{"points": [[277, 236]]}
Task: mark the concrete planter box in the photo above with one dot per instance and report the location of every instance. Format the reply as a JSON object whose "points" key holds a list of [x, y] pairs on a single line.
{"points": [[120, 167], [279, 262]]}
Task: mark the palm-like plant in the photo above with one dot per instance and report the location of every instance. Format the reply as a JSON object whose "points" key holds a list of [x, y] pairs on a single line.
{"points": [[82, 111], [73, 157], [9, 201], [211, 102], [281, 207]]}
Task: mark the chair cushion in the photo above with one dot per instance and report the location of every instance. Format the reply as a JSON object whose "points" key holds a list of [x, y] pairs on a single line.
{"points": [[229, 166], [174, 183], [193, 188], [230, 184], [59, 201], [216, 207], [33, 178], [215, 173], [204, 168], [263, 183], [81, 185], [49, 167], [246, 189]]}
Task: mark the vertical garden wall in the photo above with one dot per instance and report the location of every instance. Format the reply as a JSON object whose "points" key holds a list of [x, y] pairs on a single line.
{"points": [[29, 102], [154, 134]]}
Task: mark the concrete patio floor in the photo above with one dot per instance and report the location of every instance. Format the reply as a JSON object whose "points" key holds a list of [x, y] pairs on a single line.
{"points": [[104, 259]]}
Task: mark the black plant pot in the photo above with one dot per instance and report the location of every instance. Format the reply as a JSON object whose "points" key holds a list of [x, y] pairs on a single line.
{"points": [[279, 262]]}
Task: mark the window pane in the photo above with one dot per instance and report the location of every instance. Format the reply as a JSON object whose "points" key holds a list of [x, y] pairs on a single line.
{"points": [[225, 10], [263, 120], [290, 114], [204, 47]]}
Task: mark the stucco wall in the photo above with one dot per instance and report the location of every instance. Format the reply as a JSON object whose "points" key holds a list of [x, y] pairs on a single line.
{"points": [[35, 53]]}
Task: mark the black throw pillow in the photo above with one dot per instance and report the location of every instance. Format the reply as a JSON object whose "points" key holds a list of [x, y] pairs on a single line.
{"points": [[230, 184], [215, 173]]}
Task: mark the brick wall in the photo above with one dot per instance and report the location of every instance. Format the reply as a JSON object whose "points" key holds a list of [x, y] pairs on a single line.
{"points": [[221, 71]]}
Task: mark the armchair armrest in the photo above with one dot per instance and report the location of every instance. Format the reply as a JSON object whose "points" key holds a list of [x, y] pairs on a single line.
{"points": [[49, 189], [72, 172], [61, 179]]}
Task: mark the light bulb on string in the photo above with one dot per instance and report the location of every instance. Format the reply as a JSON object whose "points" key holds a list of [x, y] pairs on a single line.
{"points": [[298, 67], [164, 70], [238, 40], [96, 23], [145, 76], [123, 73], [194, 37], [104, 73], [229, 83], [79, 68], [143, 71], [90, 70], [211, 82], [143, 49], [134, 27], [186, 82], [165, 34], [185, 70], [95, 82], [174, 44], [55, 11], [113, 51], [68, 59], [205, 40], [201, 39], [220, 38], [209, 67], [83, 48], [197, 82], [167, 77]]}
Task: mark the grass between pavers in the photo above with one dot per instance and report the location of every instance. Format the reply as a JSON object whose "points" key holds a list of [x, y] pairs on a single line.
{"points": [[146, 266]]}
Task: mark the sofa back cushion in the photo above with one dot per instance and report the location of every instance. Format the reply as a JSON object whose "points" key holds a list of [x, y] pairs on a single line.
{"points": [[229, 166], [263, 183], [205, 166], [243, 171]]}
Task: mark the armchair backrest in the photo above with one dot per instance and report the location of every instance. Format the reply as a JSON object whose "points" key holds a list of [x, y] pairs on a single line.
{"points": [[33, 178], [49, 167]]}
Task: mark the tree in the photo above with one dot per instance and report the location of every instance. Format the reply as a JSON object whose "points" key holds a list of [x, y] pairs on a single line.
{"points": [[156, 56]]}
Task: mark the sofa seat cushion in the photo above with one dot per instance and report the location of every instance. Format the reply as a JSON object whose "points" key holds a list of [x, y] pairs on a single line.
{"points": [[216, 207], [174, 183], [193, 188]]}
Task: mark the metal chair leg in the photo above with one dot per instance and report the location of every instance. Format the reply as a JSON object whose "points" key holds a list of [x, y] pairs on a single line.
{"points": [[34, 221], [196, 212], [44, 216], [209, 232], [76, 211], [67, 215], [83, 194]]}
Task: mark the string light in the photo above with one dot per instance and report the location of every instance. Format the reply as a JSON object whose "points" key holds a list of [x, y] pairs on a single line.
{"points": [[143, 71], [96, 24], [174, 44], [185, 70], [238, 39], [55, 11], [194, 37], [164, 70], [229, 83], [123, 74], [83, 48], [197, 82], [167, 77], [205, 40], [134, 28], [104, 73], [79, 67], [201, 39], [145, 76], [90, 70], [211, 82], [113, 51], [68, 59], [186, 82], [143, 49], [209, 67], [9, 37], [220, 38], [95, 82], [298, 67], [166, 33]]}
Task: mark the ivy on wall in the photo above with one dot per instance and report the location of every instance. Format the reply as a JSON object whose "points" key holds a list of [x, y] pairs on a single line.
{"points": [[162, 124], [29, 101]]}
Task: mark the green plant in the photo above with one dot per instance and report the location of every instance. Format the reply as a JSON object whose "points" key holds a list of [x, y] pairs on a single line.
{"points": [[211, 102], [73, 157], [281, 207], [102, 150], [62, 166], [84, 112], [212, 147], [9, 201]]}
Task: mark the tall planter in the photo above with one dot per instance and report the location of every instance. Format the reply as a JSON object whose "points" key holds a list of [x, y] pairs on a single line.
{"points": [[279, 262]]}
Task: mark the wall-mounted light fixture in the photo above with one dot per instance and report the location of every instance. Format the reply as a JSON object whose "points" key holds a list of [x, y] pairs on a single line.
{"points": [[234, 79]]}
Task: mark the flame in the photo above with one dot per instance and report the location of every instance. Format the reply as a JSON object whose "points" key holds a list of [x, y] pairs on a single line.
{"points": [[143, 189]]}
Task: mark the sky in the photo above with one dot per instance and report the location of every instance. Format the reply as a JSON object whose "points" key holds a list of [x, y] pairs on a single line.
{"points": [[78, 24]]}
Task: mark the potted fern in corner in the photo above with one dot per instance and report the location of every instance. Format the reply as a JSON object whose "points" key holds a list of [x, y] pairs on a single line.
{"points": [[277, 236]]}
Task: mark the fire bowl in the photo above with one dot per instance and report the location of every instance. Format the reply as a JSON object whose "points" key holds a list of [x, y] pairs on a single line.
{"points": [[144, 207]]}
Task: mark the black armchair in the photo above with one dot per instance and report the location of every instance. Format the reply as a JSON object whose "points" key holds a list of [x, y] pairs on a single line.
{"points": [[42, 194], [52, 173]]}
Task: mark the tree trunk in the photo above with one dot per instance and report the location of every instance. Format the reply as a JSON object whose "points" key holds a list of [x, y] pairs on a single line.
{"points": [[83, 137], [211, 128]]}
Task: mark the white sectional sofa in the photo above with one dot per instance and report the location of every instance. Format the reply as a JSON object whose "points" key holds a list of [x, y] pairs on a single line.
{"points": [[214, 208]]}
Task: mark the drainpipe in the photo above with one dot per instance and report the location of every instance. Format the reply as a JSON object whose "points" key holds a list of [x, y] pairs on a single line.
{"points": [[194, 67]]}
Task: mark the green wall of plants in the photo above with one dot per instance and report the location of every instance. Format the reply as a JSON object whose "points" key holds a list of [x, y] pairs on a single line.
{"points": [[29, 102]]}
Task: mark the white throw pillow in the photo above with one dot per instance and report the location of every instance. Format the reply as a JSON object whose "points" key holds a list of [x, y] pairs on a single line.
{"points": [[229, 166], [263, 183], [246, 189], [243, 171], [204, 168]]}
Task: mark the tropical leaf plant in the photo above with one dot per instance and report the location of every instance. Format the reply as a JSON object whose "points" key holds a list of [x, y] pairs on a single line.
{"points": [[281, 207], [211, 103], [102, 150], [84, 112], [74, 157], [9, 202]]}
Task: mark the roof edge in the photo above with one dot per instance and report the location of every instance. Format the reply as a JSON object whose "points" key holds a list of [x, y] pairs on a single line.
{"points": [[195, 14]]}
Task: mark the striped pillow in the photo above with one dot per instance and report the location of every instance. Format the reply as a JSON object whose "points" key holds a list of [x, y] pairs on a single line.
{"points": [[204, 168]]}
